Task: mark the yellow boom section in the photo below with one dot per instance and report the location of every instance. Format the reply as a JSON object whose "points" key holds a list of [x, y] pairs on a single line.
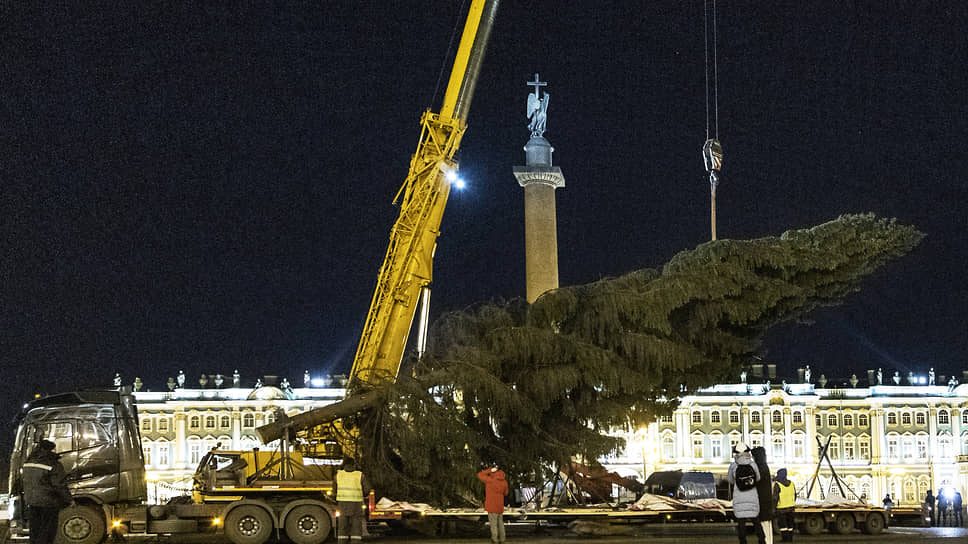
{"points": [[408, 265]]}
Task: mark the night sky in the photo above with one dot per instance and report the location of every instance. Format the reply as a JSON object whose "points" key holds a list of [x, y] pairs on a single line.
{"points": [[200, 187]]}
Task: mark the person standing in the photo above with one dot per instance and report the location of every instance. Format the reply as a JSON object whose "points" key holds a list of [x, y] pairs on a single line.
{"points": [[349, 501], [888, 502], [929, 503], [956, 507], [495, 489], [785, 495], [742, 477], [764, 492], [941, 512], [45, 492]]}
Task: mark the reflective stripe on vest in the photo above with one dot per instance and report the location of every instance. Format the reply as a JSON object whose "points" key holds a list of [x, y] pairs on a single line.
{"points": [[349, 486], [788, 496]]}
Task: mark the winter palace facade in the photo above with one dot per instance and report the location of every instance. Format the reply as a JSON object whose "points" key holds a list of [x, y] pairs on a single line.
{"points": [[902, 439], [899, 438]]}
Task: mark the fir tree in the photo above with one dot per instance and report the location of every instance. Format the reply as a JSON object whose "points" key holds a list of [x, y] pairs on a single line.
{"points": [[533, 387]]}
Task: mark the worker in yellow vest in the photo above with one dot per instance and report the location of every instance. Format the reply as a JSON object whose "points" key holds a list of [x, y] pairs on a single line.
{"points": [[350, 484], [785, 495]]}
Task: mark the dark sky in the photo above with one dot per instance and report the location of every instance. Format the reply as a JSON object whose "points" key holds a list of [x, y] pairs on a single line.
{"points": [[200, 187]]}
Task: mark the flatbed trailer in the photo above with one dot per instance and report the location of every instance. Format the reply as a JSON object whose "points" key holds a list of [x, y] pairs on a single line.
{"points": [[810, 520]]}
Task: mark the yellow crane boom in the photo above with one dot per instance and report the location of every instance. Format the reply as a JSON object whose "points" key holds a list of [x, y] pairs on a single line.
{"points": [[408, 265]]}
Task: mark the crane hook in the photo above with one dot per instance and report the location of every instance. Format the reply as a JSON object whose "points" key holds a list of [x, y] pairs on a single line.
{"points": [[712, 156]]}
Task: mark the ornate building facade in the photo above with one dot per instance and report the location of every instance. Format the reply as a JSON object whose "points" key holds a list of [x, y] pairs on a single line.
{"points": [[179, 426], [897, 439]]}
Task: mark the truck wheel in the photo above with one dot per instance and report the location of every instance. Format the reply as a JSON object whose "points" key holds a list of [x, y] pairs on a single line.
{"points": [[80, 525], [813, 524], [308, 524], [248, 524], [844, 524], [874, 524]]}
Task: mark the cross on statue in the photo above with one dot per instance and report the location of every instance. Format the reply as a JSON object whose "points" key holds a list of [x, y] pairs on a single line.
{"points": [[537, 83]]}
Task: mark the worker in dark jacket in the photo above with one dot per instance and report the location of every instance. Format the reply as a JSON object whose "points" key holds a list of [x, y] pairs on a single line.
{"points": [[495, 489], [764, 492], [45, 492]]}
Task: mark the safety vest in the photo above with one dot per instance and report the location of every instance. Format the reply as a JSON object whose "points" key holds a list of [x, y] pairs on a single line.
{"points": [[788, 496], [349, 486]]}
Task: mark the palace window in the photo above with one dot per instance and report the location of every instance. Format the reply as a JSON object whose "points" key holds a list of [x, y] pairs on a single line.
{"points": [[848, 420], [892, 418], [697, 448], [834, 451], [145, 424], [862, 420], [209, 422], [697, 417], [964, 417], [943, 417], [848, 449], [906, 418], [755, 417], [163, 424], [797, 417], [831, 420], [922, 444], [818, 420], [248, 420], [716, 448], [194, 452], [225, 422], [668, 449], [865, 449], [756, 441], [194, 422], [715, 417], [922, 489], [146, 448], [778, 448], [909, 491], [944, 447], [665, 419], [798, 447], [907, 448], [164, 450], [892, 448], [733, 417], [920, 419], [777, 416]]}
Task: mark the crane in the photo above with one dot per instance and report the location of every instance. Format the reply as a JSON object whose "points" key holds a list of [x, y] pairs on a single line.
{"points": [[408, 266]]}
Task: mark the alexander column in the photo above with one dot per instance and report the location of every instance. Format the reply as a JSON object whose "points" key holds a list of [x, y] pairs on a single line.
{"points": [[539, 179]]}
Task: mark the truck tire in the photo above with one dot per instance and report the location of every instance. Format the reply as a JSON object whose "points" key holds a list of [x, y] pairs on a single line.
{"points": [[80, 525], [813, 524], [308, 524], [248, 524], [844, 524], [874, 524]]}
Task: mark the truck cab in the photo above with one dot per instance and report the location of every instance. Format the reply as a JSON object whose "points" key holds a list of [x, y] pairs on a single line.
{"points": [[97, 437]]}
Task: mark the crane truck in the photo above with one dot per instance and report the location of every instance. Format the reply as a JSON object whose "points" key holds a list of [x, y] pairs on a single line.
{"points": [[254, 495]]}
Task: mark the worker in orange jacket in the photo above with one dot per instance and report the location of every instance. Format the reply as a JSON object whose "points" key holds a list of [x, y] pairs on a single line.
{"points": [[495, 489]]}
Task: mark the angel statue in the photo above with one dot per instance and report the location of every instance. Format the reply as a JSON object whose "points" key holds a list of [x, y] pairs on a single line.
{"points": [[537, 109]]}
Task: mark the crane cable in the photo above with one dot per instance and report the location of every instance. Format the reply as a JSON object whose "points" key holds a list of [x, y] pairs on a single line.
{"points": [[712, 150]]}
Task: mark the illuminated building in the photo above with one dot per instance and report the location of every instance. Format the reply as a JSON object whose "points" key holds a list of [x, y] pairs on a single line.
{"points": [[180, 425], [902, 439]]}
